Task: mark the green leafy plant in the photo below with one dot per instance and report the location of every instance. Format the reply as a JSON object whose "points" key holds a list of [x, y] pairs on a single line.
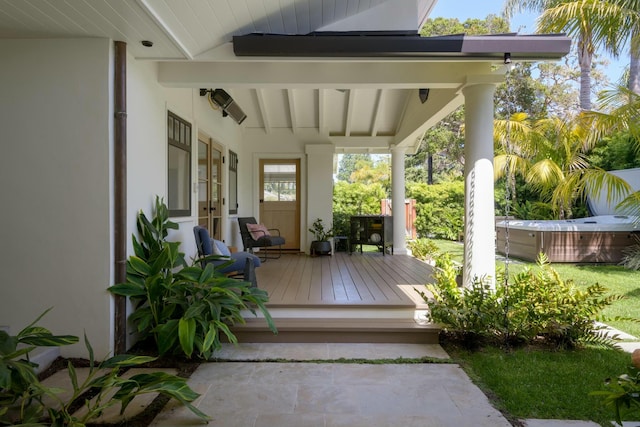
{"points": [[319, 232], [534, 306], [25, 400], [423, 249], [183, 308], [622, 394]]}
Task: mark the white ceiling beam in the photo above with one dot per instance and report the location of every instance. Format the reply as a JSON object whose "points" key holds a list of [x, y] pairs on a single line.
{"points": [[292, 110], [375, 122], [419, 117], [320, 74], [351, 99], [264, 112], [322, 114], [377, 142]]}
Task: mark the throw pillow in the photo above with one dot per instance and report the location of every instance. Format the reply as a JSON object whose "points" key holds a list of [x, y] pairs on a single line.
{"points": [[258, 230], [219, 248]]}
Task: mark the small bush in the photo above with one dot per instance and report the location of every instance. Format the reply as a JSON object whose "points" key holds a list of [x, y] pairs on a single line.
{"points": [[535, 306], [423, 249]]}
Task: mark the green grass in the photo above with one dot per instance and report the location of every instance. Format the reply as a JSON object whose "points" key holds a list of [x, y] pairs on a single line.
{"points": [[616, 279], [545, 384]]}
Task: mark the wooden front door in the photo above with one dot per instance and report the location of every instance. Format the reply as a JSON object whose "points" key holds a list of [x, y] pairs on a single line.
{"points": [[280, 198]]}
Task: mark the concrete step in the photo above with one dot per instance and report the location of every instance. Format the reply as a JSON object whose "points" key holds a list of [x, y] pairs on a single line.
{"points": [[338, 330]]}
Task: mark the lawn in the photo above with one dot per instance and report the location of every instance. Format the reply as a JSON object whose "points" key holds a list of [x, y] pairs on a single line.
{"points": [[546, 384], [615, 278]]}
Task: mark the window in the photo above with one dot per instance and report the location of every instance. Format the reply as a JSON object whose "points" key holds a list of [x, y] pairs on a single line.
{"points": [[179, 176], [233, 182]]}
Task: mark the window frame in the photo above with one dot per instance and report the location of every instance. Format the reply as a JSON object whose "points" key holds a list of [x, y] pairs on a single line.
{"points": [[183, 142]]}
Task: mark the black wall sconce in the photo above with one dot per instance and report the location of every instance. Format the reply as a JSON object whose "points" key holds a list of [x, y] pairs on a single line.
{"points": [[226, 103], [423, 94]]}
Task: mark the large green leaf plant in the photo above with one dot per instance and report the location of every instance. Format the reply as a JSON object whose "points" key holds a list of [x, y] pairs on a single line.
{"points": [[183, 308], [25, 401]]}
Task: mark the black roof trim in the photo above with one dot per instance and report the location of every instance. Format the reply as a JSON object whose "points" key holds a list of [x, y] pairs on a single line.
{"points": [[403, 44]]}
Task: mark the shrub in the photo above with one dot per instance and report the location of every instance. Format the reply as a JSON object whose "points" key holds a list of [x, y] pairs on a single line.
{"points": [[423, 249], [354, 199], [535, 306], [439, 209], [184, 308]]}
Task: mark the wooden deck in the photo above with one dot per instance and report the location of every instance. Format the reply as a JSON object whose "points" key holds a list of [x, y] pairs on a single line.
{"points": [[361, 298], [357, 280]]}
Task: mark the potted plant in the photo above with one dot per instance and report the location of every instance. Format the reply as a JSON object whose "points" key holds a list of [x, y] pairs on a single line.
{"points": [[320, 244]]}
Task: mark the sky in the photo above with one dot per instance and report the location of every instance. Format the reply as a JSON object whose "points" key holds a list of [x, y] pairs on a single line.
{"points": [[523, 23]]}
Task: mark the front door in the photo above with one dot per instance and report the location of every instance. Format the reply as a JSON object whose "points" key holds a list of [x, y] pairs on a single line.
{"points": [[280, 198], [210, 186]]}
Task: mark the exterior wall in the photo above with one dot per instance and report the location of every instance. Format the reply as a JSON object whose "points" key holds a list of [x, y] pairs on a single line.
{"points": [[57, 121], [56, 138]]}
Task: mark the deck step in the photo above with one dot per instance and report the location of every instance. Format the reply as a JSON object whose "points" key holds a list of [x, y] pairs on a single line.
{"points": [[338, 330]]}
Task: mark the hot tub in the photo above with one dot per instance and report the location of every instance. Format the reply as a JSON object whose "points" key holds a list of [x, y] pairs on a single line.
{"points": [[594, 239]]}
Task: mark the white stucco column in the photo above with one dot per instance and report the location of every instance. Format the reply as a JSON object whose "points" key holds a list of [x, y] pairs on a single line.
{"points": [[319, 189], [397, 200], [479, 235]]}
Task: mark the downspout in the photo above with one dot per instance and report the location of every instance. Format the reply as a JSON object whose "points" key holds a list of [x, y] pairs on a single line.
{"points": [[120, 193]]}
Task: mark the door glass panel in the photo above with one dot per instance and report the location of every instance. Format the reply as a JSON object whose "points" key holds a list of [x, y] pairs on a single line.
{"points": [[203, 204], [216, 193], [279, 183]]}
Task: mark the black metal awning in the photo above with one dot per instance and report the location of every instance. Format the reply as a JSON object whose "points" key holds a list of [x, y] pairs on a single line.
{"points": [[403, 44]]}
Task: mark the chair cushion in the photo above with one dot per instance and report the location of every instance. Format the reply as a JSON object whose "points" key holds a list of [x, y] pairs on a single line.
{"points": [[239, 260], [219, 248], [270, 241], [204, 240], [257, 231]]}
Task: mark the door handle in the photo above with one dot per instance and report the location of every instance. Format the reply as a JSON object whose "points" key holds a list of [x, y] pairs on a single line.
{"points": [[261, 200]]}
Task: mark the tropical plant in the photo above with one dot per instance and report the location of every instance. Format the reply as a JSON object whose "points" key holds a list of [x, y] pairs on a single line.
{"points": [[183, 308], [587, 20], [551, 154], [533, 306], [318, 231], [24, 400], [622, 393], [611, 24]]}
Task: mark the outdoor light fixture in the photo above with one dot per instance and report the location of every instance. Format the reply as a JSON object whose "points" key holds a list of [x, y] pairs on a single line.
{"points": [[225, 102], [423, 94], [507, 58]]}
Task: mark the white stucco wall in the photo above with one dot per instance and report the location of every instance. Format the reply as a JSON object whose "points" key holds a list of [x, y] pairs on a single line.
{"points": [[55, 191], [57, 167]]}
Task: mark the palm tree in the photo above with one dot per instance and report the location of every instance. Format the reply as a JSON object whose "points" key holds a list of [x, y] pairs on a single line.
{"points": [[551, 155], [620, 113], [595, 23], [608, 24]]}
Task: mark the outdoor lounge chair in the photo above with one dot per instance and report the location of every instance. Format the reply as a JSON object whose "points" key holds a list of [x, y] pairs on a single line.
{"points": [[256, 235], [240, 265]]}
